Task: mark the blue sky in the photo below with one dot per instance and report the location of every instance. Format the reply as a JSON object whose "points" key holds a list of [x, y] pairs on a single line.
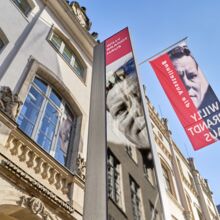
{"points": [[154, 26]]}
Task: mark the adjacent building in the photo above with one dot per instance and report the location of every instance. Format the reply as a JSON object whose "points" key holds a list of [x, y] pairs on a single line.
{"points": [[188, 193]]}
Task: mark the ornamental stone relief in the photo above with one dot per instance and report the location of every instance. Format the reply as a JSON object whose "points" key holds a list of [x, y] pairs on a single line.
{"points": [[37, 207], [9, 102]]}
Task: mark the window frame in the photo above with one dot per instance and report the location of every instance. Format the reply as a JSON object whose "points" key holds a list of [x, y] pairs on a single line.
{"points": [[30, 4], [4, 40], [116, 168], [39, 120], [139, 205], [75, 58], [33, 68], [168, 180]]}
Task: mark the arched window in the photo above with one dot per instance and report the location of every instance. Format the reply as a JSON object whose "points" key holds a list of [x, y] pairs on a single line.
{"points": [[168, 179], [67, 52], [46, 118]]}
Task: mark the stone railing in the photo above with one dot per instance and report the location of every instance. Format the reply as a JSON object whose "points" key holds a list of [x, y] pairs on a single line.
{"points": [[38, 163], [26, 161]]}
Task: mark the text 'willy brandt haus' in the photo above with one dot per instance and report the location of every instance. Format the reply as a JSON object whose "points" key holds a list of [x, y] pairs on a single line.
{"points": [[204, 119], [211, 116]]}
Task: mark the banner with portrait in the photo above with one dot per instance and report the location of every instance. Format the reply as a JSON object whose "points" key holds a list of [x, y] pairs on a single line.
{"points": [[126, 126], [190, 94]]}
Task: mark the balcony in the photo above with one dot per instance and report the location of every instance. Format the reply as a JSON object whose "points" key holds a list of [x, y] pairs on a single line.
{"points": [[35, 172]]}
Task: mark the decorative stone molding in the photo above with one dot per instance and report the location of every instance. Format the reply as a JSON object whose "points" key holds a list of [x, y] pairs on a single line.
{"points": [[17, 172], [80, 13], [37, 207], [9, 103], [81, 167], [162, 147], [39, 163], [189, 185]]}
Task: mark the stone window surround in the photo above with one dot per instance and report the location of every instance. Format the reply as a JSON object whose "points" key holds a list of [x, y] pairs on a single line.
{"points": [[138, 194], [30, 3], [35, 68], [164, 165], [68, 42], [115, 168], [4, 39]]}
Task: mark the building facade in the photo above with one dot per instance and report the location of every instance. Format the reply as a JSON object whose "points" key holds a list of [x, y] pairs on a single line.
{"points": [[46, 57], [132, 185], [45, 77], [188, 193]]}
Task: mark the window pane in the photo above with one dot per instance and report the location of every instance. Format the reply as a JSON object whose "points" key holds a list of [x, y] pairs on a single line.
{"points": [[64, 137], [56, 40], [51, 113], [67, 54], [135, 199], [44, 142], [30, 111], [41, 85], [23, 6], [25, 125], [78, 68], [47, 128], [35, 98], [55, 98]]}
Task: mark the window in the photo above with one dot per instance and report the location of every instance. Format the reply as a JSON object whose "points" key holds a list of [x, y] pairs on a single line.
{"points": [[154, 212], [199, 214], [190, 206], [1, 44], [24, 6], [131, 151], [114, 188], [191, 180], [135, 199], [168, 179], [3, 40], [67, 53], [179, 165], [46, 119]]}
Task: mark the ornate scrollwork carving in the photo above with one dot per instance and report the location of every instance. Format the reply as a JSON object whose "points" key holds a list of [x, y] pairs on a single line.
{"points": [[80, 13], [81, 166], [9, 102], [37, 207]]}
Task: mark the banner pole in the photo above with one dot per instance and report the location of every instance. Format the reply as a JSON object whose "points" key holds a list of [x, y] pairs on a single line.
{"points": [[95, 199], [157, 54], [166, 215]]}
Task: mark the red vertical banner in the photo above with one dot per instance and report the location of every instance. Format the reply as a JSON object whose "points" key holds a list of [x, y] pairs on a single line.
{"points": [[191, 96]]}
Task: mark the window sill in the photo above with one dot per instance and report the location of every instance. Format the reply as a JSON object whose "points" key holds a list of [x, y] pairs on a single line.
{"points": [[118, 207], [173, 198]]}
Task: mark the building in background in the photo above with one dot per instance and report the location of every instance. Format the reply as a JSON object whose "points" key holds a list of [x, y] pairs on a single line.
{"points": [[188, 193], [45, 76], [131, 181]]}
